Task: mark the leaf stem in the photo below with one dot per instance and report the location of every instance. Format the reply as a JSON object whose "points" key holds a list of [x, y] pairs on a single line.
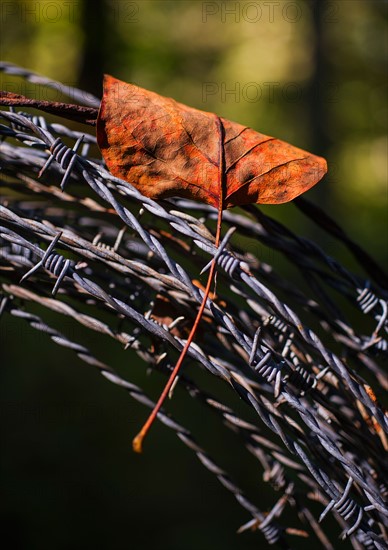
{"points": [[137, 442]]}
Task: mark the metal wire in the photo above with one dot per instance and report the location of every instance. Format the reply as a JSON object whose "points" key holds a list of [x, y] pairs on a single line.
{"points": [[328, 423]]}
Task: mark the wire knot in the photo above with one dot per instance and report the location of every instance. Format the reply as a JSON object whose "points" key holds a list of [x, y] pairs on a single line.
{"points": [[65, 156], [54, 263]]}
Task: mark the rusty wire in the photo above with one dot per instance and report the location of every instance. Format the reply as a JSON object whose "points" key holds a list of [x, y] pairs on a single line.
{"points": [[99, 241]]}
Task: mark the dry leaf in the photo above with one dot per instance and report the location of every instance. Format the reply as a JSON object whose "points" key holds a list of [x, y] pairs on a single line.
{"points": [[166, 149]]}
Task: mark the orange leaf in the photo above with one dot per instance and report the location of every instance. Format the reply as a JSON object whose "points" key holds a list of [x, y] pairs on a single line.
{"points": [[166, 149]]}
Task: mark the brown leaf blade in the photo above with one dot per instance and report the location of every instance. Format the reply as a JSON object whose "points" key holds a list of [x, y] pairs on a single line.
{"points": [[166, 149]]}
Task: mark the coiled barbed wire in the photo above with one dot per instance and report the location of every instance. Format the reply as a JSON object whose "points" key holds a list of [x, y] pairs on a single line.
{"points": [[292, 364], [231, 326], [271, 531]]}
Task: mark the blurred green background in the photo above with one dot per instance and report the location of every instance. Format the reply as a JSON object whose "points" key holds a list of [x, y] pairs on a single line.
{"points": [[312, 73]]}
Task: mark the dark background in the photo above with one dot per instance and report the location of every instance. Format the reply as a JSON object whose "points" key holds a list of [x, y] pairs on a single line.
{"points": [[312, 73]]}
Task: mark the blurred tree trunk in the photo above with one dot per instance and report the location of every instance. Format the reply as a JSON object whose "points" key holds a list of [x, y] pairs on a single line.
{"points": [[95, 26], [104, 49], [320, 91]]}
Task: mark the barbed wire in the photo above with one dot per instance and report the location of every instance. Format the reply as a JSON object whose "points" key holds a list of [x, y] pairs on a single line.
{"points": [[136, 259], [85, 98]]}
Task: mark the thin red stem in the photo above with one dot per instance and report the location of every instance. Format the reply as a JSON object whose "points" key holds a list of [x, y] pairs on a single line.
{"points": [[137, 442]]}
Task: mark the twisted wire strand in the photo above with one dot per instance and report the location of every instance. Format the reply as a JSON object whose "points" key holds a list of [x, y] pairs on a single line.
{"points": [[55, 128]]}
